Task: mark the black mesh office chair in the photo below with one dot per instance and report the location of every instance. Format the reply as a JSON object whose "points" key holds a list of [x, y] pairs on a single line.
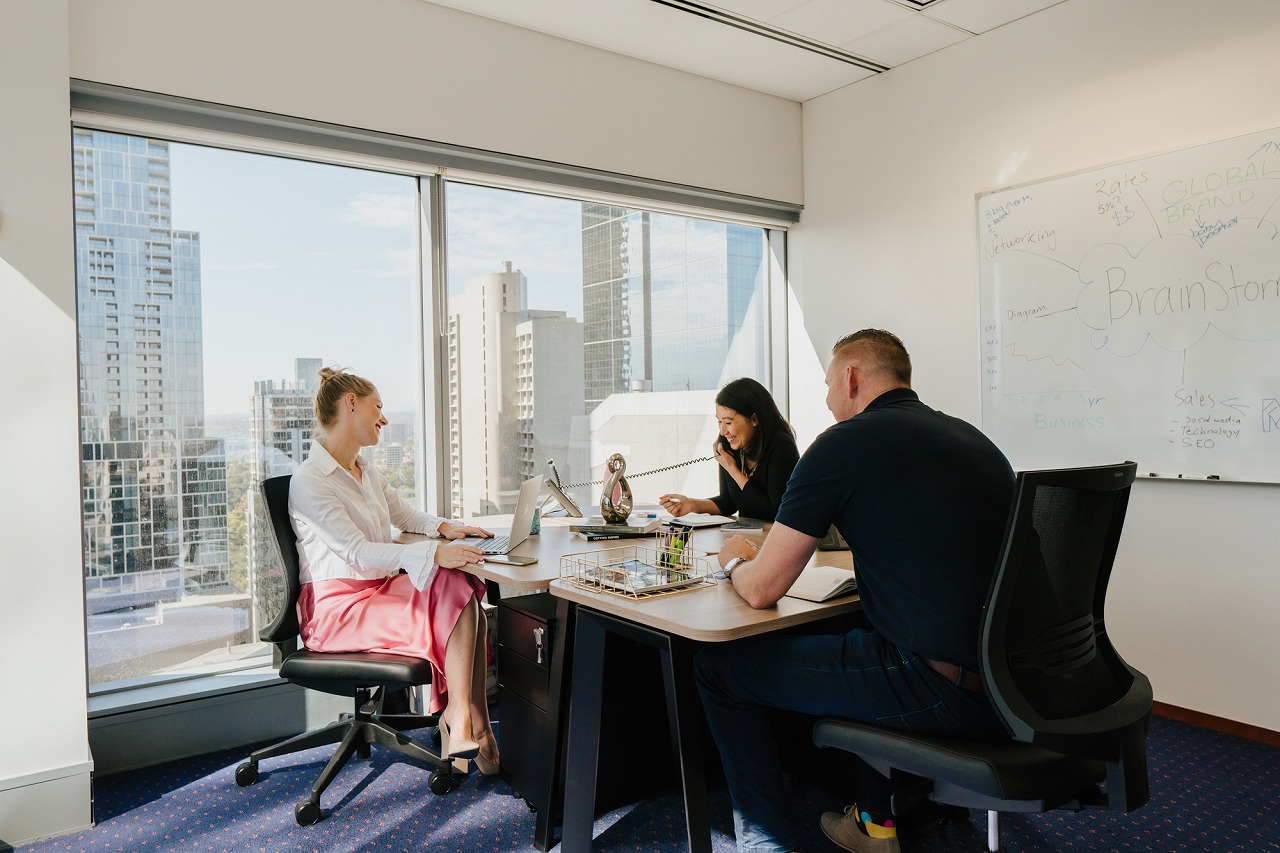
{"points": [[371, 679], [1077, 713]]}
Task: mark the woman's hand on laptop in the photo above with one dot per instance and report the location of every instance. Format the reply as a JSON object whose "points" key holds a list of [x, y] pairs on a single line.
{"points": [[449, 530], [455, 555]]}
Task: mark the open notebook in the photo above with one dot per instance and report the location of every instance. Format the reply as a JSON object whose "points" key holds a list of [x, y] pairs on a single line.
{"points": [[820, 583]]}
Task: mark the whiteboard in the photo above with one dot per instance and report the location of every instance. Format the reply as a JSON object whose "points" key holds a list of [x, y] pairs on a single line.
{"points": [[1133, 313]]}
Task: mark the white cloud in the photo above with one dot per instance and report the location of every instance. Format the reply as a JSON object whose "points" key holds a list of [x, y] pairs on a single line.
{"points": [[400, 263], [252, 266], [381, 210]]}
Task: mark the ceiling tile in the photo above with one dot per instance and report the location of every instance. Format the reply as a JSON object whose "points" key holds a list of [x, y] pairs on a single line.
{"points": [[979, 16], [886, 32], [840, 21], [756, 10], [905, 40], [657, 33]]}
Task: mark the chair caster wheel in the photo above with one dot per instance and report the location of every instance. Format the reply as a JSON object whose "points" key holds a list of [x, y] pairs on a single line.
{"points": [[306, 812], [246, 774], [440, 782], [515, 793]]}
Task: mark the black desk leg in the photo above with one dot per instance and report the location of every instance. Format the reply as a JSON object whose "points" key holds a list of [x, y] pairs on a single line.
{"points": [[684, 711], [557, 711], [583, 742], [492, 592]]}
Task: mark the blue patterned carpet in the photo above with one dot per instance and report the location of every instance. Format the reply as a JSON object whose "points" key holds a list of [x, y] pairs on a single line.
{"points": [[1209, 792]]}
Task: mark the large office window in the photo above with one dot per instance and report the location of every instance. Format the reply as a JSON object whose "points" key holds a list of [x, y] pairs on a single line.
{"points": [[211, 287], [579, 329], [213, 284]]}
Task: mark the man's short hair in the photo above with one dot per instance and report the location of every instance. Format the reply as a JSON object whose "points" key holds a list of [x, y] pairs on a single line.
{"points": [[885, 349]]}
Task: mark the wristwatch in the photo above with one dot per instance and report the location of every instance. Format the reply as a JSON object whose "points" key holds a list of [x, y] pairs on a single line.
{"points": [[733, 564]]}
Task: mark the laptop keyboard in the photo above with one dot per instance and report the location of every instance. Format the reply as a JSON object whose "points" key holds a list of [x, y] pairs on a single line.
{"points": [[495, 545]]}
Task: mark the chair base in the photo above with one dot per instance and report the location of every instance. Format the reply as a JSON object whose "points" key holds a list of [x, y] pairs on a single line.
{"points": [[355, 733]]}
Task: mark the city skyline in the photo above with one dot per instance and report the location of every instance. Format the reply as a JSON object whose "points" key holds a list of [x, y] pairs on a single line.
{"points": [[273, 227]]}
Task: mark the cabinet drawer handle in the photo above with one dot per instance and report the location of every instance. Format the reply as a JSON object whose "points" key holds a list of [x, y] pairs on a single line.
{"points": [[537, 641]]}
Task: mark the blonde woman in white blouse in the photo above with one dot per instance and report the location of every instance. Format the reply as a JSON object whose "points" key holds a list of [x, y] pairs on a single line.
{"points": [[363, 592]]}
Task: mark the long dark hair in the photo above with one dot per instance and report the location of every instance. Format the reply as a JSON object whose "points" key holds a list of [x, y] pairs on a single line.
{"points": [[750, 399]]}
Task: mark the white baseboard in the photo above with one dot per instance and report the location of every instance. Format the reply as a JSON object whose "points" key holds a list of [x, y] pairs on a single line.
{"points": [[45, 804]]}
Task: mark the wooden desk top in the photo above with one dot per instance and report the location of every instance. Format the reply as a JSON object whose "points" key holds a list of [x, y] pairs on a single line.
{"points": [[712, 613], [555, 539]]}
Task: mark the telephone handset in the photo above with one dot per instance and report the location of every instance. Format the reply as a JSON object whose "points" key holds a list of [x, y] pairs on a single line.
{"points": [[565, 501]]}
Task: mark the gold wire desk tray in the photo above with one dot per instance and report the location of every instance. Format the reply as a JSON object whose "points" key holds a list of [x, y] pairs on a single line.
{"points": [[636, 571]]}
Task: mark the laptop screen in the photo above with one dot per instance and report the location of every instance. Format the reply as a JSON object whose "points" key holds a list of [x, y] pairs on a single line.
{"points": [[522, 521]]}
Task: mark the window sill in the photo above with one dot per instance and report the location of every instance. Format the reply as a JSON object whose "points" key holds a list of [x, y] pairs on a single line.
{"points": [[143, 697]]}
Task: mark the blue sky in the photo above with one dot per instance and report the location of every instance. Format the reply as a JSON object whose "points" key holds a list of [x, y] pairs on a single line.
{"points": [[301, 259]]}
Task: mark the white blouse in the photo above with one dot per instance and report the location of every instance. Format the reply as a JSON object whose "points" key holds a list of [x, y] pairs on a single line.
{"points": [[344, 525]]}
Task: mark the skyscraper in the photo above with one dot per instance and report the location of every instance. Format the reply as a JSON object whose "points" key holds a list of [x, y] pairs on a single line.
{"points": [[515, 379], [281, 419], [154, 486], [666, 301]]}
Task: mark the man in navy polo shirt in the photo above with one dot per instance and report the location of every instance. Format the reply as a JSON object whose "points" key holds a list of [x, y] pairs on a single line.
{"points": [[922, 499]]}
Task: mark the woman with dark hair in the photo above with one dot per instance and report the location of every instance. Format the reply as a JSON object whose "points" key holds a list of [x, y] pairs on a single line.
{"points": [[756, 450]]}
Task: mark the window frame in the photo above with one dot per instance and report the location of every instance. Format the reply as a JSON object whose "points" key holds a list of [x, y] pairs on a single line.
{"points": [[434, 165]]}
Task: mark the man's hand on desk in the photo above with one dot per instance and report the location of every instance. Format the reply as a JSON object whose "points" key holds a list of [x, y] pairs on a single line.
{"points": [[761, 582], [737, 547], [449, 530]]}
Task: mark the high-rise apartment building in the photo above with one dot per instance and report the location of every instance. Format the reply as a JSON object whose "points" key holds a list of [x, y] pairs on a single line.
{"points": [[515, 383], [666, 301], [281, 419], [548, 394], [154, 486]]}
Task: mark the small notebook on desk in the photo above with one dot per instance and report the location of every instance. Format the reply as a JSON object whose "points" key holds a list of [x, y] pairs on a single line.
{"points": [[630, 527], [702, 519], [821, 583]]}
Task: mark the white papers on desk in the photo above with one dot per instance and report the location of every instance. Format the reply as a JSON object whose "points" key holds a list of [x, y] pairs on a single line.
{"points": [[820, 583], [700, 519]]}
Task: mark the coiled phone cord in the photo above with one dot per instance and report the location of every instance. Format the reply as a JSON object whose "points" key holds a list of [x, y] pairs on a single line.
{"points": [[641, 474]]}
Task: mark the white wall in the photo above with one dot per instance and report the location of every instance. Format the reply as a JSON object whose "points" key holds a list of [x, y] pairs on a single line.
{"points": [[413, 68], [888, 239], [44, 746]]}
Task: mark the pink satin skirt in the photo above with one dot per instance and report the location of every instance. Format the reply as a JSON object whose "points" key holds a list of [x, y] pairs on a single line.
{"points": [[388, 615]]}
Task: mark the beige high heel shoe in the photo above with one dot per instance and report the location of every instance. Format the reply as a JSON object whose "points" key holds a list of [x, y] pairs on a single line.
{"points": [[484, 765], [456, 748], [487, 767]]}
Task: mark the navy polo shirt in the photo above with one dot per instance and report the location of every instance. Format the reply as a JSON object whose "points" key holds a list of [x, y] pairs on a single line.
{"points": [[922, 498]]}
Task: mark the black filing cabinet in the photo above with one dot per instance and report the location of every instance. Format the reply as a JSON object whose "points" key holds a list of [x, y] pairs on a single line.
{"points": [[635, 749], [527, 634]]}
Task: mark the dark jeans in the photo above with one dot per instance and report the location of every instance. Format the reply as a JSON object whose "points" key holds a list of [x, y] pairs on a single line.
{"points": [[857, 675]]}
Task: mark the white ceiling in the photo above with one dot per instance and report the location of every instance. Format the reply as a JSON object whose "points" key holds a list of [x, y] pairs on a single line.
{"points": [[795, 49]]}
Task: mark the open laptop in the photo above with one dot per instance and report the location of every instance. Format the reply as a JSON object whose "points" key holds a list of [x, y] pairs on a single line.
{"points": [[521, 523]]}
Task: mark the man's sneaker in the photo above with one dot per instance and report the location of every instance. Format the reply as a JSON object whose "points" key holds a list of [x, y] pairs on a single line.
{"points": [[847, 831]]}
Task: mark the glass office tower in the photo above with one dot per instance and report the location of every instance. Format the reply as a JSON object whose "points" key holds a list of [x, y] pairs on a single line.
{"points": [[665, 302], [154, 485]]}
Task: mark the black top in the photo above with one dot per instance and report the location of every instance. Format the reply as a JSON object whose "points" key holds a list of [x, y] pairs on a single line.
{"points": [[922, 498], [763, 494]]}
